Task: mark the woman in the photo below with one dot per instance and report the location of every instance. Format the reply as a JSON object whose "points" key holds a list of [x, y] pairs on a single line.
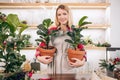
{"points": [[60, 63]]}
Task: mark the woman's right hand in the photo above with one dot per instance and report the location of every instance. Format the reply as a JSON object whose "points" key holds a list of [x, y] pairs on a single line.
{"points": [[45, 59]]}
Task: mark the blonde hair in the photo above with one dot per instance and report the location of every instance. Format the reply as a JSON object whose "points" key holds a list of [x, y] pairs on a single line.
{"points": [[69, 12]]}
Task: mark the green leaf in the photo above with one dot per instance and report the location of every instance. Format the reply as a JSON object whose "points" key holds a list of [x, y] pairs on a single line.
{"points": [[82, 21], [22, 28], [71, 34], [39, 32], [42, 28], [13, 20], [40, 40], [69, 41], [5, 28], [1, 55], [47, 23]]}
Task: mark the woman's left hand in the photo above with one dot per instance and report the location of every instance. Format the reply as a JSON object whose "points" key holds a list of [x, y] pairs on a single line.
{"points": [[77, 62]]}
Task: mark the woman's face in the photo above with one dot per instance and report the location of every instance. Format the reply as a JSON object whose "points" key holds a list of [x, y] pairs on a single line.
{"points": [[62, 16]]}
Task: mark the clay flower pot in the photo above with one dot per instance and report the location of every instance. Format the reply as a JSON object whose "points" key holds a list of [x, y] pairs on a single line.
{"points": [[75, 54], [47, 52]]}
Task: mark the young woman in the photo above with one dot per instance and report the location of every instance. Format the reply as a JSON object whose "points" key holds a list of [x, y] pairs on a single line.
{"points": [[60, 63]]}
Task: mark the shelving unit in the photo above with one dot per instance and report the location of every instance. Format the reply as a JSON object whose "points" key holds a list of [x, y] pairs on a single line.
{"points": [[96, 6], [50, 5]]}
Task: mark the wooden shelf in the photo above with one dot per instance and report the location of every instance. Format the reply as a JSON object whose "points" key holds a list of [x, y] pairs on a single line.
{"points": [[51, 5], [29, 48], [90, 26], [98, 26], [86, 47], [94, 48]]}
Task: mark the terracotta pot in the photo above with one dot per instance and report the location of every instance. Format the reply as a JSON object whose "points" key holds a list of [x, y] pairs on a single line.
{"points": [[47, 52], [75, 54]]}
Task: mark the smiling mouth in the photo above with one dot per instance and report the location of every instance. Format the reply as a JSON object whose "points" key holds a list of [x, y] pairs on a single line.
{"points": [[63, 20]]}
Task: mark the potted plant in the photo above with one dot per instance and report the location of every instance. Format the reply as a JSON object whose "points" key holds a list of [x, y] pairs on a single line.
{"points": [[76, 41], [110, 65], [105, 44], [10, 46], [45, 35]]}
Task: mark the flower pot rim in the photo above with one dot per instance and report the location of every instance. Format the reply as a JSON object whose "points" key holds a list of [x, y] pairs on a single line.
{"points": [[49, 47]]}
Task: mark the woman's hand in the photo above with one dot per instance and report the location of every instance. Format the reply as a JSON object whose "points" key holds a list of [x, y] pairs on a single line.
{"points": [[77, 62], [45, 59]]}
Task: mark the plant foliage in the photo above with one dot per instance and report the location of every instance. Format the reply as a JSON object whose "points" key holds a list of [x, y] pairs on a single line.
{"points": [[75, 33], [11, 42], [44, 32]]}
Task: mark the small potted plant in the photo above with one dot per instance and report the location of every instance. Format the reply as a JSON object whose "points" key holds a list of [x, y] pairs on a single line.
{"points": [[45, 34], [110, 65], [76, 41]]}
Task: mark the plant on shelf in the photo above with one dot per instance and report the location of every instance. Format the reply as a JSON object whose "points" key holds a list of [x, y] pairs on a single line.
{"points": [[105, 44], [10, 45], [110, 64], [26, 40], [76, 40], [45, 35], [88, 41]]}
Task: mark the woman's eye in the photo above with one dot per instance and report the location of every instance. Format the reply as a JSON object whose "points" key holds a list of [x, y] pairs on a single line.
{"points": [[59, 14], [64, 14]]}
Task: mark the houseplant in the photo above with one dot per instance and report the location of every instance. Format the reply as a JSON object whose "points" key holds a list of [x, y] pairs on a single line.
{"points": [[110, 65], [10, 45], [45, 35], [76, 41], [105, 44]]}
